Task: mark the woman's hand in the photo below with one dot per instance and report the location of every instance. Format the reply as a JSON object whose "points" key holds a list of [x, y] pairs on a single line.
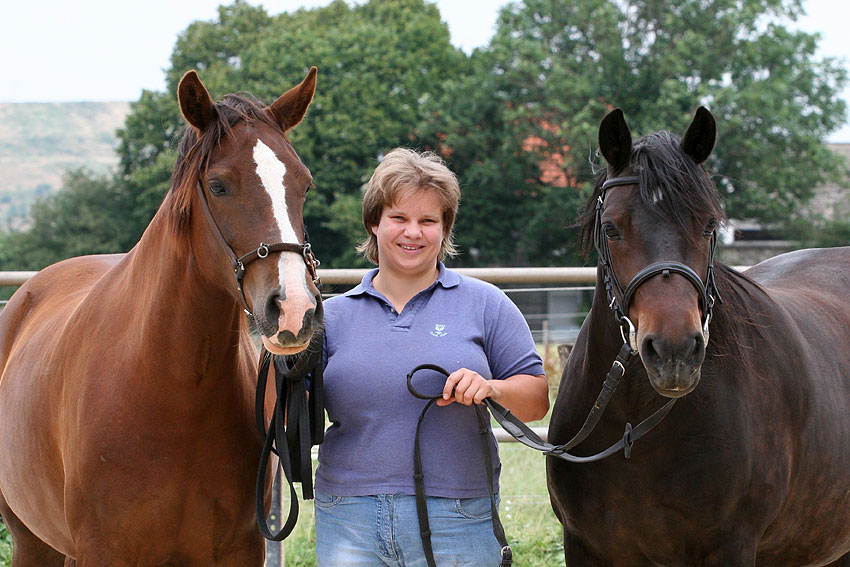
{"points": [[526, 396], [467, 387]]}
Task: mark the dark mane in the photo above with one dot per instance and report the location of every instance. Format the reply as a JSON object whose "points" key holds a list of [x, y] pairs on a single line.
{"points": [[193, 151], [737, 317], [663, 167]]}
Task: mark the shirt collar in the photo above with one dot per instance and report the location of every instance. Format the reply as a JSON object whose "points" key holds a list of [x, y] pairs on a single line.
{"points": [[445, 278]]}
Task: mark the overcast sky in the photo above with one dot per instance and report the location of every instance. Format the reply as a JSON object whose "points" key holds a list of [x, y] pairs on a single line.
{"points": [[109, 50]]}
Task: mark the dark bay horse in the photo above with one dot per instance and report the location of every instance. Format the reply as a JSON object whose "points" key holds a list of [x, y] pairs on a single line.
{"points": [[751, 467], [127, 434]]}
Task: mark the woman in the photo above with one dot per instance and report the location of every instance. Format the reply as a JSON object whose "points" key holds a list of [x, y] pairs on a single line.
{"points": [[409, 311]]}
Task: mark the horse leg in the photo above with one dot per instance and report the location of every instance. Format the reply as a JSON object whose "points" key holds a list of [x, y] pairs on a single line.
{"points": [[27, 549]]}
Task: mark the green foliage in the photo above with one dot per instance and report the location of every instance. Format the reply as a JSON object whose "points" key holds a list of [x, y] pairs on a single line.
{"points": [[566, 63]]}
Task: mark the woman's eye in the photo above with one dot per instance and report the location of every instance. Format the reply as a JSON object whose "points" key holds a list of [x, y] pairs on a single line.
{"points": [[217, 188], [611, 232]]}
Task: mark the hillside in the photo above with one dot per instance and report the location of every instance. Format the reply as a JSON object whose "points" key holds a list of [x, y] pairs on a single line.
{"points": [[40, 141]]}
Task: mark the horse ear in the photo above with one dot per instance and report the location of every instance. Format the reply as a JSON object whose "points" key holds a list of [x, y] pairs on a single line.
{"points": [[195, 101], [289, 109], [701, 135], [615, 140]]}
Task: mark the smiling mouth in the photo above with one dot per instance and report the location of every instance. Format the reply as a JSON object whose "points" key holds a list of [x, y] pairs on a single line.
{"points": [[409, 247]]}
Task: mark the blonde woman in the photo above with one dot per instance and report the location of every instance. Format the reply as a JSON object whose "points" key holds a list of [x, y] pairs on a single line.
{"points": [[412, 310]]}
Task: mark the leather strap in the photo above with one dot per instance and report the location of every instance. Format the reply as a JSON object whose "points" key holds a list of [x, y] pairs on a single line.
{"points": [[525, 435], [419, 477], [293, 431]]}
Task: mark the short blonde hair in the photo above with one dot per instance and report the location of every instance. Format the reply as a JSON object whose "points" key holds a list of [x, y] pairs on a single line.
{"points": [[402, 172]]}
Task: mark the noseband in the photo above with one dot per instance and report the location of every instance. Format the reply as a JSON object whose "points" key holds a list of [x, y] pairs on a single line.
{"points": [[240, 263], [707, 290]]}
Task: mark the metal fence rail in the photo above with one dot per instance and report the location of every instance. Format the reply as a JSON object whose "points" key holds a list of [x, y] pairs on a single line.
{"points": [[493, 275]]}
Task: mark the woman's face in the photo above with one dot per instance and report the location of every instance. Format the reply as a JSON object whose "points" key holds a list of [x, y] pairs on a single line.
{"points": [[410, 234]]}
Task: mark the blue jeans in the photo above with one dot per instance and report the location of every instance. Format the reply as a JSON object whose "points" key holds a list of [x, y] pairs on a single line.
{"points": [[383, 531]]}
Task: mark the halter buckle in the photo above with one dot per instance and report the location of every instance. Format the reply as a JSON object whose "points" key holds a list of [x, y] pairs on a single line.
{"points": [[262, 250]]}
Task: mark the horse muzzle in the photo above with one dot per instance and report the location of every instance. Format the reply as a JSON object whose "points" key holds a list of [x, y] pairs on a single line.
{"points": [[673, 366], [287, 324]]}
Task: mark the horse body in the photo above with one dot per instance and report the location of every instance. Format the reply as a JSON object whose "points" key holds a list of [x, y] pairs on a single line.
{"points": [[751, 467], [127, 389]]}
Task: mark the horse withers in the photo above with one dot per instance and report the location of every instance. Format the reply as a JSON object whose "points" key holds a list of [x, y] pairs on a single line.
{"points": [[751, 467], [127, 434]]}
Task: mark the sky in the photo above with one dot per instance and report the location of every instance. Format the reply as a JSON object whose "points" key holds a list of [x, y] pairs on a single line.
{"points": [[110, 50]]}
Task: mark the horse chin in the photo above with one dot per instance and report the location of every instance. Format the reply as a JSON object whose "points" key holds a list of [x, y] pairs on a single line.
{"points": [[673, 386], [283, 350]]}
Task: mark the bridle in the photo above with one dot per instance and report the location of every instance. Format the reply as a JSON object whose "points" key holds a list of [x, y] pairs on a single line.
{"points": [[240, 263], [707, 290]]}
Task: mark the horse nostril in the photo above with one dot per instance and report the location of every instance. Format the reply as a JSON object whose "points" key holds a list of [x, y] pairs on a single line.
{"points": [[272, 307], [699, 347], [651, 352]]}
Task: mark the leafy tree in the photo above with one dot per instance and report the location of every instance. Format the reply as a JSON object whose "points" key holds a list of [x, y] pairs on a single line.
{"points": [[377, 63], [563, 64]]}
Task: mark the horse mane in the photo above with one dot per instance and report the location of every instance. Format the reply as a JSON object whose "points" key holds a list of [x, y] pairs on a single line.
{"points": [[195, 148], [741, 314], [665, 170]]}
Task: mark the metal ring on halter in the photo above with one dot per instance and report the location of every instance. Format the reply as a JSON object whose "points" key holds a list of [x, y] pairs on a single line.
{"points": [[632, 340], [262, 250]]}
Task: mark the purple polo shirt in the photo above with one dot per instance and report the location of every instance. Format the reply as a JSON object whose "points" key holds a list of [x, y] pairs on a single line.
{"points": [[457, 322]]}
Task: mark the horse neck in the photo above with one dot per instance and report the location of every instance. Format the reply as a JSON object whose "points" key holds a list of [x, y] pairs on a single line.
{"points": [[172, 295]]}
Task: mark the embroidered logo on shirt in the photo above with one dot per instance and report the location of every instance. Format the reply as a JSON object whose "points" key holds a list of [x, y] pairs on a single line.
{"points": [[439, 330]]}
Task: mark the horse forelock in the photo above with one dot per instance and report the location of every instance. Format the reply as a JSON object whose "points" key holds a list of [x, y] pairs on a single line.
{"points": [[195, 148], [672, 186]]}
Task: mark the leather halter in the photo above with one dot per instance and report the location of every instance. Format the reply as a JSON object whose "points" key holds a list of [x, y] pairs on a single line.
{"points": [[240, 263], [707, 290]]}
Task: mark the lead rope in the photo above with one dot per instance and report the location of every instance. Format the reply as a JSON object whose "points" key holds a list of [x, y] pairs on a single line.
{"points": [[525, 435], [419, 477], [292, 431]]}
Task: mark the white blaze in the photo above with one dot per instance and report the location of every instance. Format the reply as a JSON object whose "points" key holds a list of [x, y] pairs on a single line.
{"points": [[271, 172]]}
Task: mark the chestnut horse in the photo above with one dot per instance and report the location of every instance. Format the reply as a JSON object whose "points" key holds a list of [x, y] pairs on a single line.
{"points": [[127, 434], [751, 467]]}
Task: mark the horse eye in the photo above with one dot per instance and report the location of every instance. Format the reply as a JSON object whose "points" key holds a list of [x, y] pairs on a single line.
{"points": [[217, 188], [611, 232], [709, 229]]}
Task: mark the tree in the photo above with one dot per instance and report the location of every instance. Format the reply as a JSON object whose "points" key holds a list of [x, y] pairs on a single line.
{"points": [[378, 62], [563, 64]]}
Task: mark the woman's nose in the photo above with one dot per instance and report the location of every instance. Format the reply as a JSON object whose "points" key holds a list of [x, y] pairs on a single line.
{"points": [[413, 230]]}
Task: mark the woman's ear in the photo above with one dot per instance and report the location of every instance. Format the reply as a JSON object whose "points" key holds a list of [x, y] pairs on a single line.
{"points": [[374, 229]]}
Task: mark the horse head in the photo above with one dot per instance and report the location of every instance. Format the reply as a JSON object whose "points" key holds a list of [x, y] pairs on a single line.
{"points": [[657, 211], [237, 166]]}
